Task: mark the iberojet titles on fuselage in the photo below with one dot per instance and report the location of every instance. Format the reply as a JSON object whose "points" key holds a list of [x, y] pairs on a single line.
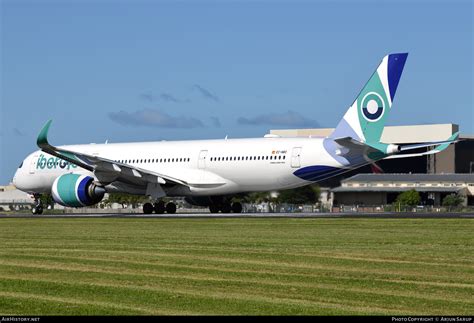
{"points": [[53, 163]]}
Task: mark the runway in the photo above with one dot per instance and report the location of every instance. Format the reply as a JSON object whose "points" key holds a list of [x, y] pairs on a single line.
{"points": [[385, 215]]}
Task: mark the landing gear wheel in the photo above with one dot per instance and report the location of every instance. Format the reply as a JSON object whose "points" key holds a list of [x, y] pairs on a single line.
{"points": [[226, 208], [37, 210], [147, 208], [171, 208], [159, 207], [236, 207], [213, 208], [38, 207]]}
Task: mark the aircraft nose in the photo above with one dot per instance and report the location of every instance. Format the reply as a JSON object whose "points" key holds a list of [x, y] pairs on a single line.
{"points": [[15, 179]]}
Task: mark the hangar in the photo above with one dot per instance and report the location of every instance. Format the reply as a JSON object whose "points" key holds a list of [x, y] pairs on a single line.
{"points": [[383, 189]]}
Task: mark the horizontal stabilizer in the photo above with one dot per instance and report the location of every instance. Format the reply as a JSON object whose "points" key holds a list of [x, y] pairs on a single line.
{"points": [[440, 146]]}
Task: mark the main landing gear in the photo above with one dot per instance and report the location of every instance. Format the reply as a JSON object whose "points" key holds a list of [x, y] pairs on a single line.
{"points": [[226, 207], [159, 208], [38, 206]]}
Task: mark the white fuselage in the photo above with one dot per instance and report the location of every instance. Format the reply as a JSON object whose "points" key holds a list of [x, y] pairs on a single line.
{"points": [[211, 167]]}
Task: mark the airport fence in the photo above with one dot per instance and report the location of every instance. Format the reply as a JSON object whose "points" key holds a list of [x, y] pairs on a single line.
{"points": [[263, 208], [392, 208]]}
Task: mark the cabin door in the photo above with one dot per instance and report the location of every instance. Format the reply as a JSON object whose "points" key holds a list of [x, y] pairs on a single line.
{"points": [[202, 159], [295, 157]]}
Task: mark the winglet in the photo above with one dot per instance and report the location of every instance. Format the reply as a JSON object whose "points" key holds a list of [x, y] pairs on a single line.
{"points": [[42, 140]]}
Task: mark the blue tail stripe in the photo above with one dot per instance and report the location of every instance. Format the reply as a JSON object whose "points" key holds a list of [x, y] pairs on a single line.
{"points": [[396, 62], [317, 172]]}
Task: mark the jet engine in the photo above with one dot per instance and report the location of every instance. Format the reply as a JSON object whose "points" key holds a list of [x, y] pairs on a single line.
{"points": [[76, 190]]}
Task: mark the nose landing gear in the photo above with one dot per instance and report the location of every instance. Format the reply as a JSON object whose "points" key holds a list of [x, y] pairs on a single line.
{"points": [[37, 208]]}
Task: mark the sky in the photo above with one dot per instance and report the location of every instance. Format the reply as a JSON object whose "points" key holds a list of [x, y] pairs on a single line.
{"points": [[128, 71]]}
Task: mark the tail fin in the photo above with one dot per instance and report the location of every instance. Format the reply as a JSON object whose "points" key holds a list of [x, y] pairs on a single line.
{"points": [[365, 119]]}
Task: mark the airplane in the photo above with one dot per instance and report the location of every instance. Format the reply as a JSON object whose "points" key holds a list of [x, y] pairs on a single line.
{"points": [[209, 172]]}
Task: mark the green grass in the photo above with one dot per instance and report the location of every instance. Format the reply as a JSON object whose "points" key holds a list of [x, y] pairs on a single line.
{"points": [[236, 266]]}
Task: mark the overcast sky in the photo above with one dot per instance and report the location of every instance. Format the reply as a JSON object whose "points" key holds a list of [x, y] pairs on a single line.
{"points": [[152, 70]]}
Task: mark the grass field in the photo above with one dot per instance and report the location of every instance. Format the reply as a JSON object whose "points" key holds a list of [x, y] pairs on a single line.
{"points": [[236, 266]]}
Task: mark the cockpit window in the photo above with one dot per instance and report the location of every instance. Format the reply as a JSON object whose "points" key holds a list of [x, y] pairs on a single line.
{"points": [[20, 165]]}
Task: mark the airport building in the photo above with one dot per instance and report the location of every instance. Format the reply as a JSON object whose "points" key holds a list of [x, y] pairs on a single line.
{"points": [[383, 189], [11, 198]]}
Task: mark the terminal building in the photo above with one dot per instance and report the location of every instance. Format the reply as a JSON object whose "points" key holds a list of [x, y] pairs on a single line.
{"points": [[434, 176], [13, 199]]}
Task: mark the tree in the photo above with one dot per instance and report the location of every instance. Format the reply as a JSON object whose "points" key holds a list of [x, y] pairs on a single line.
{"points": [[126, 199], [453, 200], [302, 195], [410, 198], [46, 200]]}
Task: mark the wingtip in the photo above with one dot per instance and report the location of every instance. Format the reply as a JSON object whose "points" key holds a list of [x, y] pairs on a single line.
{"points": [[43, 135]]}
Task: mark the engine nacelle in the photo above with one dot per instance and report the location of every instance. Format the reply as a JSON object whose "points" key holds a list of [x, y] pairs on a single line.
{"points": [[392, 149], [76, 190]]}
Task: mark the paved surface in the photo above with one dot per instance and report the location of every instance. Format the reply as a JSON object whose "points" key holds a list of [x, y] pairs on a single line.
{"points": [[252, 215]]}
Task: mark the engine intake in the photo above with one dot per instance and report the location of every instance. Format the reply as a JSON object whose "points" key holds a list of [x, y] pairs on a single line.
{"points": [[76, 190]]}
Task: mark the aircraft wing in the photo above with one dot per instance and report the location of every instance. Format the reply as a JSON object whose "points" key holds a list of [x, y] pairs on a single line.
{"points": [[104, 169]]}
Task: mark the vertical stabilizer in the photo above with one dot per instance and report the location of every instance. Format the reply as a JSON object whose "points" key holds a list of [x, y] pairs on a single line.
{"points": [[365, 119]]}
